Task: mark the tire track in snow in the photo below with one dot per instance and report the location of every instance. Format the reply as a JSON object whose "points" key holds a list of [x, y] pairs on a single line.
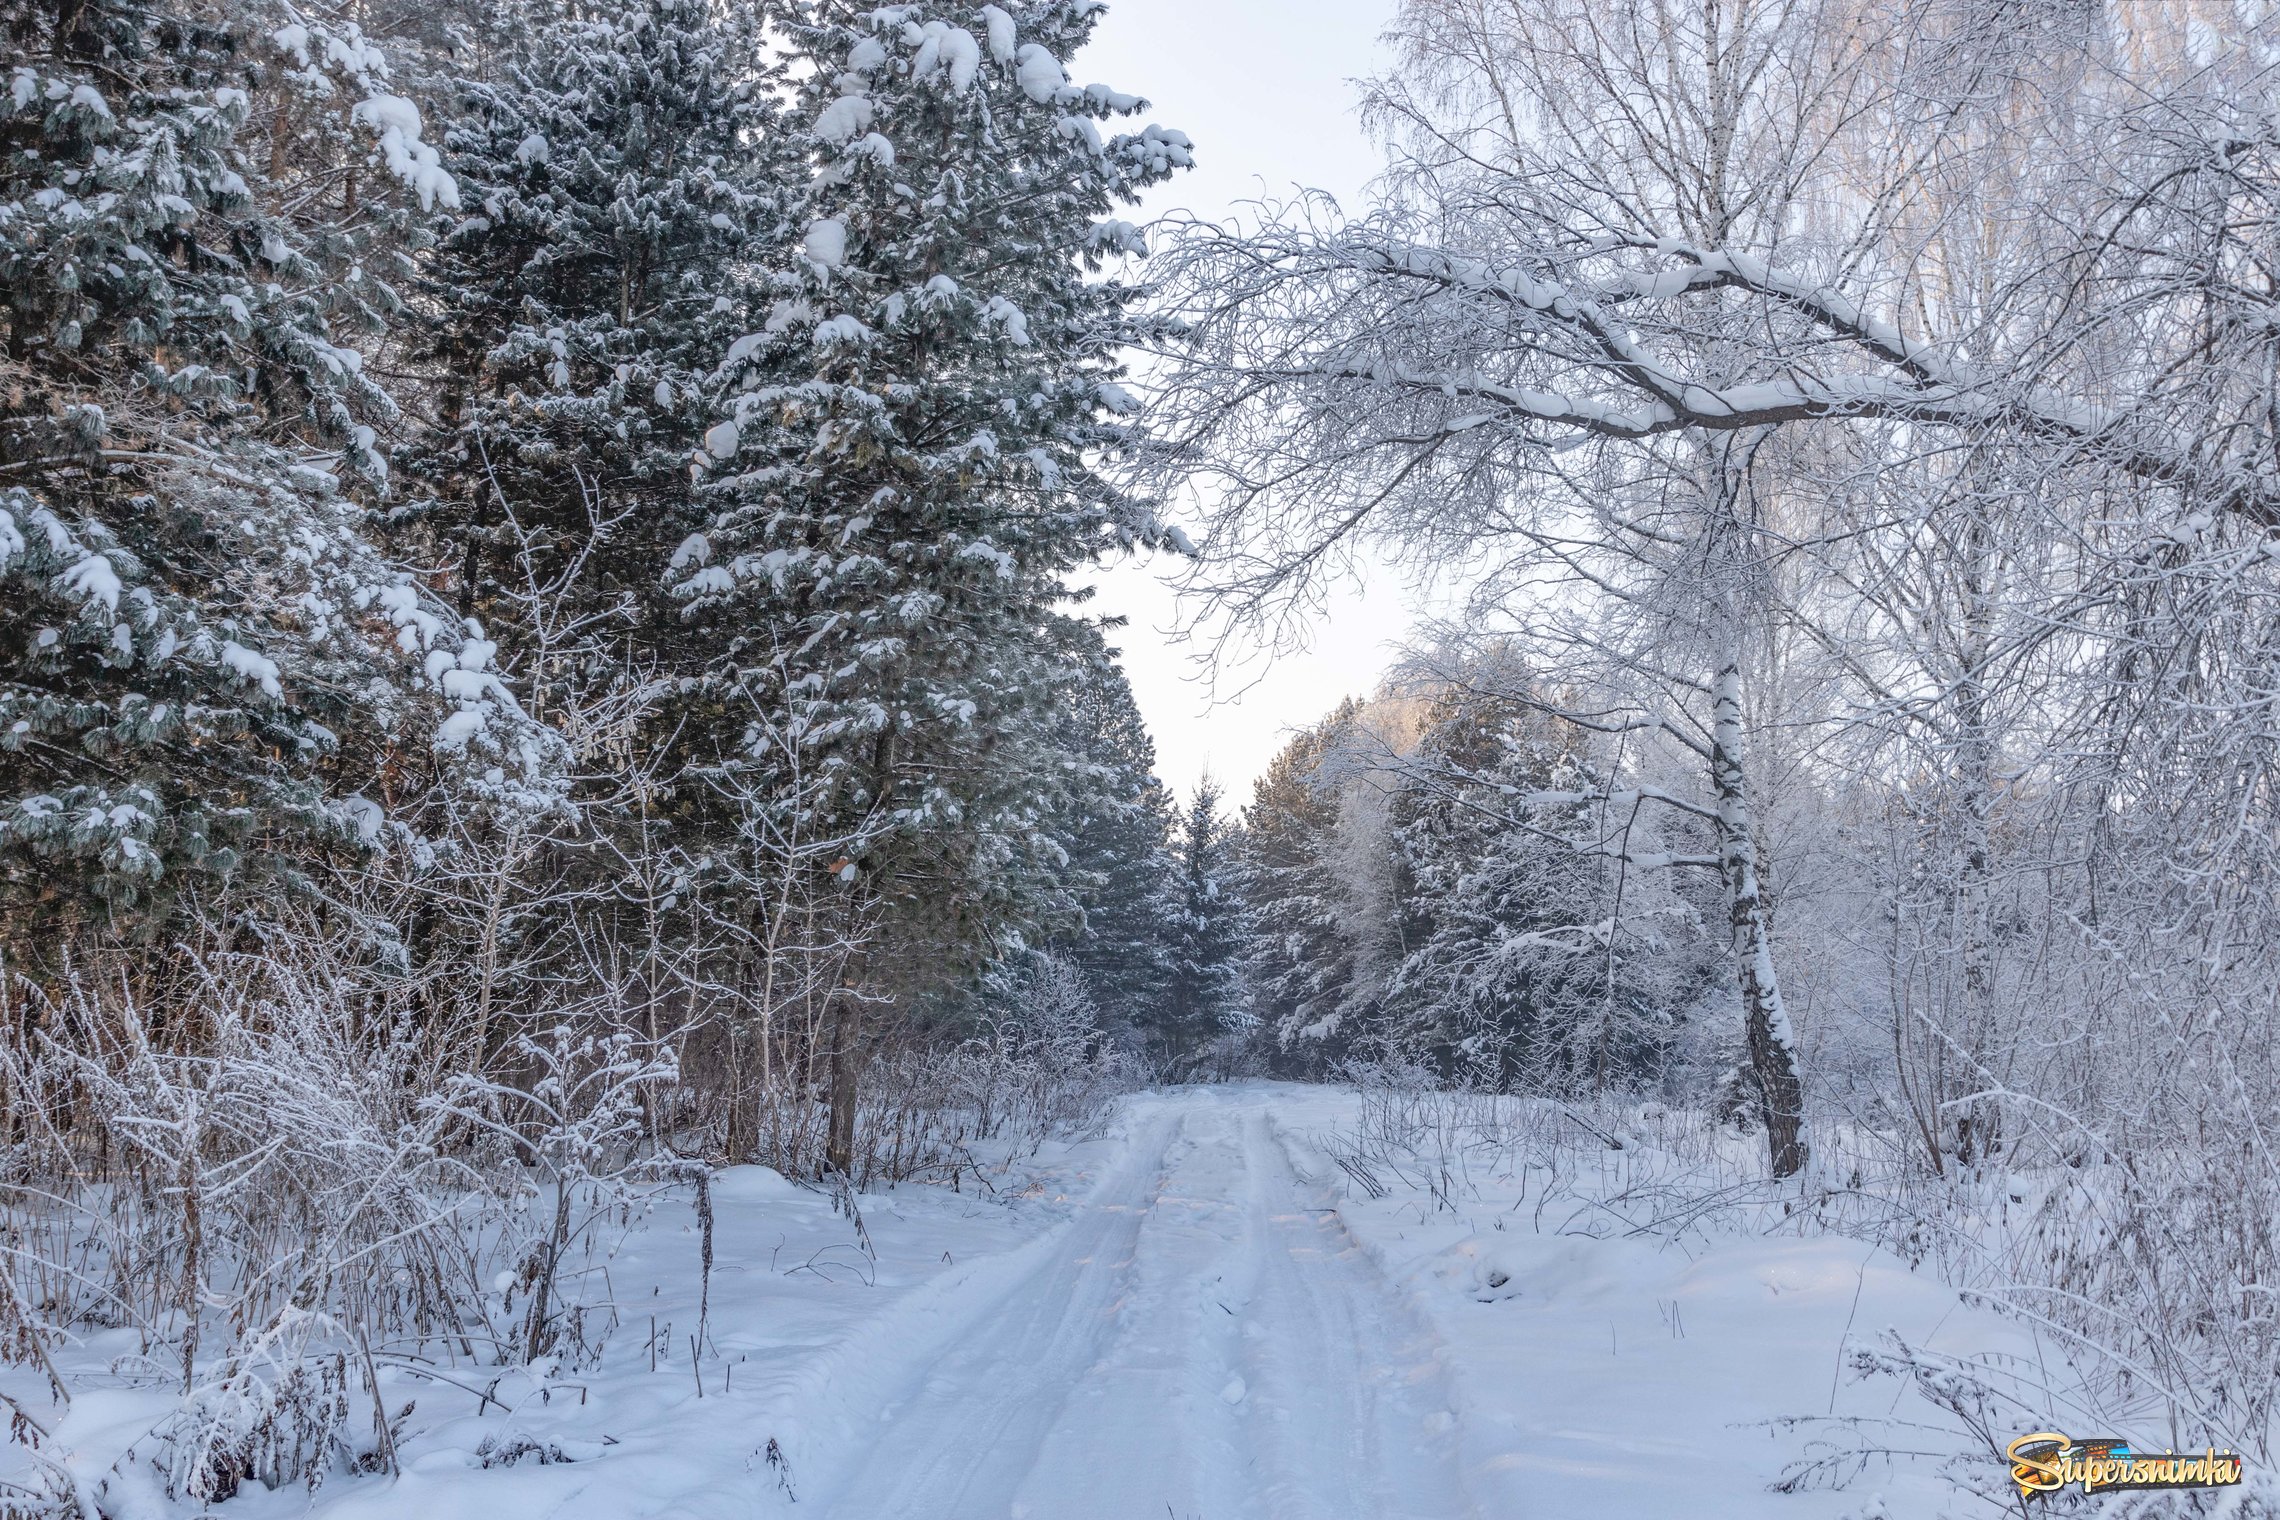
{"points": [[1352, 1393], [1147, 1435], [958, 1441], [1206, 1343]]}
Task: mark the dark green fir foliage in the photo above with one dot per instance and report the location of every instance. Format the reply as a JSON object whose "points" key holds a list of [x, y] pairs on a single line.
{"points": [[906, 480], [616, 170], [1300, 964], [1203, 995], [198, 207], [1117, 834]]}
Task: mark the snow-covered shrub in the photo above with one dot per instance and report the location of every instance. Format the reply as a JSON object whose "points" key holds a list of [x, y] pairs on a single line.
{"points": [[267, 1191], [573, 1114], [1043, 1068], [285, 1128], [1039, 1066], [252, 1194], [275, 1414]]}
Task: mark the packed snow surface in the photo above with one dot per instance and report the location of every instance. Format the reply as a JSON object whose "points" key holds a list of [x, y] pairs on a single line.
{"points": [[1195, 1315]]}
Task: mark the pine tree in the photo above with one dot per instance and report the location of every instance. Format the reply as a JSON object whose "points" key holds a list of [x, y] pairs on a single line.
{"points": [[1114, 831], [616, 164], [191, 616], [1203, 999], [908, 477], [616, 170], [1299, 967], [1118, 837]]}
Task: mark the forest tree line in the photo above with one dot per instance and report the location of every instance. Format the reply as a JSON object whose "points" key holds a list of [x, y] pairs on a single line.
{"points": [[542, 651], [568, 513], [546, 519]]}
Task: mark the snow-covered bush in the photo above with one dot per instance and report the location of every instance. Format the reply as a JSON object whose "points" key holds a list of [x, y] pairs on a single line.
{"points": [[573, 1113], [1040, 1066], [287, 1196], [252, 1195], [1043, 1068]]}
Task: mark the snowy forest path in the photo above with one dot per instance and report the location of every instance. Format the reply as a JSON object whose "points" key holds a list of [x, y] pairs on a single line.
{"points": [[1203, 1342]]}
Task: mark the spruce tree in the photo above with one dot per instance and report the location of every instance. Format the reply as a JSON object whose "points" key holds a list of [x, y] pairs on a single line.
{"points": [[908, 476], [1534, 958], [1203, 999], [204, 664], [1117, 833], [1299, 967], [616, 171]]}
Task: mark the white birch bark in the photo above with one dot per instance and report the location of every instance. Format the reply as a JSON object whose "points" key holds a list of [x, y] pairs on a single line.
{"points": [[1774, 1061]]}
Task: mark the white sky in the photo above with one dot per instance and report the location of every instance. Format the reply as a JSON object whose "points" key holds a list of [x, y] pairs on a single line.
{"points": [[1262, 87]]}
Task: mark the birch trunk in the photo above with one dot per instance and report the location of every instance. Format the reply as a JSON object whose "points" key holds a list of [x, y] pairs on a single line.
{"points": [[1772, 1045], [1977, 1133]]}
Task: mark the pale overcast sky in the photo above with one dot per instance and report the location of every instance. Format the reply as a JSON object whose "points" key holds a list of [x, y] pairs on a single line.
{"points": [[1262, 87]]}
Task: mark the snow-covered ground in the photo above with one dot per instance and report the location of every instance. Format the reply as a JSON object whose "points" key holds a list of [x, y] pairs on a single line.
{"points": [[1196, 1315]]}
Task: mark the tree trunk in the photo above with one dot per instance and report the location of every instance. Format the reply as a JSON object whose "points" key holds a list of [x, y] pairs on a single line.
{"points": [[1772, 1045], [846, 1067], [1978, 1134]]}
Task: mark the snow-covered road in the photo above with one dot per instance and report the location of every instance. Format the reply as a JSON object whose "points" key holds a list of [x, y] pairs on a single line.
{"points": [[1204, 1339], [1192, 1316]]}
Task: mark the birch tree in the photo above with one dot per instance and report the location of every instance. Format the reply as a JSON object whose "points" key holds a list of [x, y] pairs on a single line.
{"points": [[1341, 380]]}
